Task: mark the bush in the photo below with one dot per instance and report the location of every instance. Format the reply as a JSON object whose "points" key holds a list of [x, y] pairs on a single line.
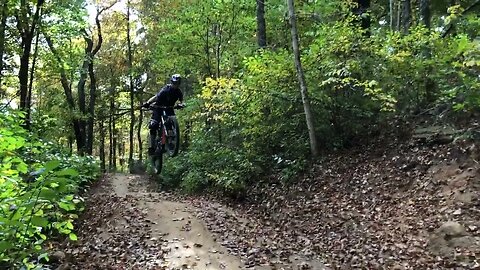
{"points": [[38, 193]]}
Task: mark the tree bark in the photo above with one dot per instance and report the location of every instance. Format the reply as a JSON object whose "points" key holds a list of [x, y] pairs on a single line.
{"points": [[406, 16], [110, 141], [139, 126], [207, 49], [111, 127], [392, 14], [218, 34], [261, 25], [102, 146], [27, 34], [93, 87], [3, 24], [399, 15], [30, 86], [425, 13], [91, 109], [301, 80], [130, 76]]}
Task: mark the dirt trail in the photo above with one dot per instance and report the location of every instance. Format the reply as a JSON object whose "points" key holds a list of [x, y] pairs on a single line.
{"points": [[186, 241], [130, 224]]}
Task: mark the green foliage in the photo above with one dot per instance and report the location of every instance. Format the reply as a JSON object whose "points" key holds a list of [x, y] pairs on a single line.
{"points": [[251, 121], [37, 198]]}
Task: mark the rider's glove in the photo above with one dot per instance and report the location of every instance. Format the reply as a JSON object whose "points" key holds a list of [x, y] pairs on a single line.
{"points": [[145, 105], [180, 106]]}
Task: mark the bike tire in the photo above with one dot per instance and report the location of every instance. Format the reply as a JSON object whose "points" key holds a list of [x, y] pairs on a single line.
{"points": [[173, 147]]}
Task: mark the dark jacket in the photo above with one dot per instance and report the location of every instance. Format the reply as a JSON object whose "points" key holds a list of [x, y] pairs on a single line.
{"points": [[168, 96]]}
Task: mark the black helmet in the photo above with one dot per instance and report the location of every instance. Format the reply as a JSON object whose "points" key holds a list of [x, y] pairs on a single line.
{"points": [[176, 79]]}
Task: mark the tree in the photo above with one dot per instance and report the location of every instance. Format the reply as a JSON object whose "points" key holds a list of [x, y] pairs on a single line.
{"points": [[131, 87], [26, 27], [406, 16], [301, 80], [261, 25], [392, 13], [425, 14], [3, 24], [83, 129]]}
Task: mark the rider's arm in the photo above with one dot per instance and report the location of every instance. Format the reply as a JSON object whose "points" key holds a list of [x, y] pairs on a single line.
{"points": [[152, 99], [155, 98], [180, 96]]}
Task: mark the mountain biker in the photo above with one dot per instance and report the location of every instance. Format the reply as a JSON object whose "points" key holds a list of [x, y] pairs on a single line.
{"points": [[166, 97]]}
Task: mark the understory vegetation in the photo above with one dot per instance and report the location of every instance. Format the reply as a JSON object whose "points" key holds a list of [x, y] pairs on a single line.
{"points": [[39, 193]]}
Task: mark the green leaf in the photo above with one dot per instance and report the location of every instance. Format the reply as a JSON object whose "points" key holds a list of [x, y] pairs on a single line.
{"points": [[39, 221], [66, 206], [67, 172], [4, 245], [51, 165], [73, 237], [43, 256], [48, 194], [69, 225]]}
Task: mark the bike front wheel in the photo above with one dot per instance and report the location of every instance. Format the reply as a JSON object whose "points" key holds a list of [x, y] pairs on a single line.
{"points": [[173, 137]]}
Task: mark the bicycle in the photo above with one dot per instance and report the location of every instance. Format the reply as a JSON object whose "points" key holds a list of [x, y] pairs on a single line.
{"points": [[167, 137]]}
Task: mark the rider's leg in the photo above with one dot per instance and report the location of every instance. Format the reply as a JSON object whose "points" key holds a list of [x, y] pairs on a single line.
{"points": [[153, 126], [153, 133]]}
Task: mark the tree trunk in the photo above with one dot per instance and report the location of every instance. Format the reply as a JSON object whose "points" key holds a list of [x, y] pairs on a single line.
{"points": [[70, 144], [261, 25], [115, 144], [392, 14], [113, 130], [207, 49], [91, 109], [3, 23], [399, 15], [406, 16], [81, 92], [93, 85], [102, 146], [30, 86], [425, 14], [27, 33], [110, 129], [130, 76], [301, 80], [139, 127], [218, 34], [110, 142]]}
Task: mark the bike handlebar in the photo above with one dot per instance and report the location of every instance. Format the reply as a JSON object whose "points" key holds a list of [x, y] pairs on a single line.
{"points": [[151, 107]]}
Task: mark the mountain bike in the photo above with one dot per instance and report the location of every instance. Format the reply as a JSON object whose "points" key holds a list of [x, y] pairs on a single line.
{"points": [[167, 137]]}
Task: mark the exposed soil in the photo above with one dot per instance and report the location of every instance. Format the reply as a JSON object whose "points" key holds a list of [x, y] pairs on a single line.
{"points": [[129, 224]]}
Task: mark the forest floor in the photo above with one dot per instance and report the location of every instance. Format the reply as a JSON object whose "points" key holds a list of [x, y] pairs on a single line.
{"points": [[130, 224], [412, 204]]}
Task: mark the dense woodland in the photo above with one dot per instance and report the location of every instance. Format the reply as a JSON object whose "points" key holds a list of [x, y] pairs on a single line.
{"points": [[270, 86]]}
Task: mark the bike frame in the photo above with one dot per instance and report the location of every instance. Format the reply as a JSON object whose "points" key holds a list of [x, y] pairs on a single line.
{"points": [[163, 128]]}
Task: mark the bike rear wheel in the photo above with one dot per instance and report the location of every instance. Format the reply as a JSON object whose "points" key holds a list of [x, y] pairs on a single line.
{"points": [[173, 137]]}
